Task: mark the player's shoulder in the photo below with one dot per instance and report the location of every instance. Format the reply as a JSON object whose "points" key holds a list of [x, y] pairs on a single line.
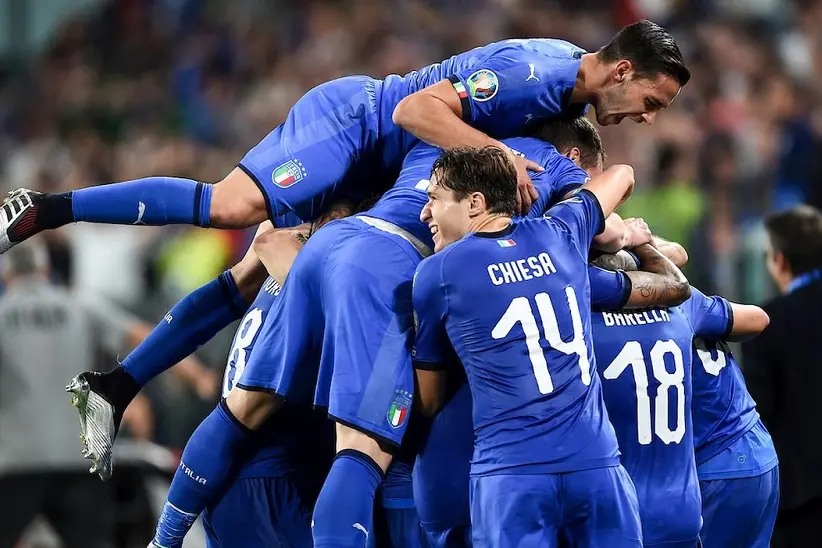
{"points": [[550, 47], [429, 268], [531, 148], [422, 152]]}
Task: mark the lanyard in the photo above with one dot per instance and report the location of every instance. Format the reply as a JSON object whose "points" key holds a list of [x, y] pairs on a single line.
{"points": [[804, 279]]}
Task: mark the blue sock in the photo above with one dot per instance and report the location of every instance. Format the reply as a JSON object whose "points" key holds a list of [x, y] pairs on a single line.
{"points": [[206, 462], [192, 322], [154, 201], [343, 514]]}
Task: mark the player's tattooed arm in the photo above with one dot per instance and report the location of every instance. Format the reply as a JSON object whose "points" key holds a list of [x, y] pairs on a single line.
{"points": [[672, 250], [621, 260], [659, 283]]}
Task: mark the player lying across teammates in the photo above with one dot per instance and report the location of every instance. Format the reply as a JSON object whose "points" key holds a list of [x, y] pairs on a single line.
{"points": [[338, 334]]}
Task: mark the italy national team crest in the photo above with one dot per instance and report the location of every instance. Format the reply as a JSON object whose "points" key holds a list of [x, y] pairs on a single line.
{"points": [[290, 173], [398, 411], [483, 85]]}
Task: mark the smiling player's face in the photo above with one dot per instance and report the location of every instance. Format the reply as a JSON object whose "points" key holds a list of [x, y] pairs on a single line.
{"points": [[639, 99], [447, 217]]}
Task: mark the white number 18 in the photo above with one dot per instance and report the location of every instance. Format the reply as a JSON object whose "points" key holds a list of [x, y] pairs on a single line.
{"points": [[631, 356]]}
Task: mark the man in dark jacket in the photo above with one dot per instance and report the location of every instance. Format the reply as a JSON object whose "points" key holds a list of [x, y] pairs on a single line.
{"points": [[783, 368]]}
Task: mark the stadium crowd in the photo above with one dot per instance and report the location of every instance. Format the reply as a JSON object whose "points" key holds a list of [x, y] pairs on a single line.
{"points": [[141, 88]]}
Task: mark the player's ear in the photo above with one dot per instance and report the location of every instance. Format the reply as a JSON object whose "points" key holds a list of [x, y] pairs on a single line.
{"points": [[574, 155], [476, 204], [623, 71], [781, 262]]}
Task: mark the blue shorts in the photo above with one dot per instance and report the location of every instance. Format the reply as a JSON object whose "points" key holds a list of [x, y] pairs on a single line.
{"points": [[442, 469], [257, 512], [454, 537], [396, 528], [329, 130], [740, 512], [592, 508], [396, 523], [348, 294]]}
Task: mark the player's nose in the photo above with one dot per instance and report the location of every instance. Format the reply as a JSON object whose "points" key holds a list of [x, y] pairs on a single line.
{"points": [[649, 118], [425, 214]]}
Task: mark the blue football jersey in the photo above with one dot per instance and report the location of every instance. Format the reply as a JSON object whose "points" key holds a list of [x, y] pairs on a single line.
{"points": [[280, 447], [504, 87], [288, 219], [402, 203], [644, 359], [516, 306], [723, 409]]}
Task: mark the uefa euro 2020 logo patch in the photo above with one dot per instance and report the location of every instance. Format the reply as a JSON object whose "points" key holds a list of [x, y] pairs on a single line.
{"points": [[398, 411], [290, 173], [483, 85]]}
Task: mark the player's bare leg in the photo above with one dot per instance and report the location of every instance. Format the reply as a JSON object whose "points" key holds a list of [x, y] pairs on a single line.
{"points": [[348, 438], [236, 202], [253, 408]]}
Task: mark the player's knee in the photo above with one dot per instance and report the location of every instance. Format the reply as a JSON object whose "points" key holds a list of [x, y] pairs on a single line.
{"points": [[236, 202], [253, 408], [351, 439]]}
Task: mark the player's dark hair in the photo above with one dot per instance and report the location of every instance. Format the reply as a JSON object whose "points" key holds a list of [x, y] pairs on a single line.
{"points": [[797, 234], [651, 50], [487, 170], [567, 133]]}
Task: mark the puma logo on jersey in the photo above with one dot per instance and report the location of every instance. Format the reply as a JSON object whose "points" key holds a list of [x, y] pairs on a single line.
{"points": [[532, 76], [360, 527], [141, 210]]}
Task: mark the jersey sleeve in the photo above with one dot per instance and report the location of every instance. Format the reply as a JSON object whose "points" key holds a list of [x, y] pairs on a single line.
{"points": [[582, 216], [610, 290], [514, 85], [710, 317], [287, 220], [431, 344]]}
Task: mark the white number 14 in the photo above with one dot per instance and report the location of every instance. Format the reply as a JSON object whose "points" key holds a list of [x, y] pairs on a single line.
{"points": [[520, 311]]}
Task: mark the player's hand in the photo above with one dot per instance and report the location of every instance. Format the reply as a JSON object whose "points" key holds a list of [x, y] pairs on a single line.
{"points": [[526, 193], [637, 232]]}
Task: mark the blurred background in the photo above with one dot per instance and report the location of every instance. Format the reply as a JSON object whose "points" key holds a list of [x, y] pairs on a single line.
{"points": [[95, 91]]}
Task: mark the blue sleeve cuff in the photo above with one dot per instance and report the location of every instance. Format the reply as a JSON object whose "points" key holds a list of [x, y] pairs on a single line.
{"points": [[232, 294]]}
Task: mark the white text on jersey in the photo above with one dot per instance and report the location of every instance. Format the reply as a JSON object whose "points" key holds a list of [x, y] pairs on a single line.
{"points": [[522, 270], [635, 318]]}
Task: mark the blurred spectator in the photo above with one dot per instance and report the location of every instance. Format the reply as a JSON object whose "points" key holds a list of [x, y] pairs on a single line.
{"points": [[782, 368], [671, 204], [47, 334]]}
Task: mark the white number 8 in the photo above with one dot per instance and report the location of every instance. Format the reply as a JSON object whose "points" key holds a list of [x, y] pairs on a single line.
{"points": [[251, 323]]}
